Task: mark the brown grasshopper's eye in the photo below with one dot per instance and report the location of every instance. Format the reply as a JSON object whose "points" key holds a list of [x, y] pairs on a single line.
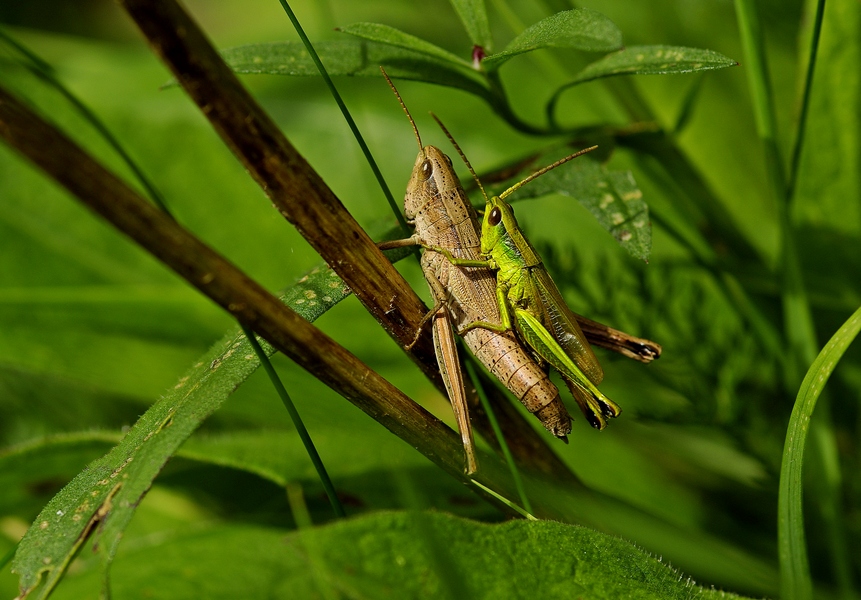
{"points": [[427, 169], [494, 217]]}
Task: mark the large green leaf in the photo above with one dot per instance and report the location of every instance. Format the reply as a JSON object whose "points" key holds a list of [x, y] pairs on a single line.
{"points": [[654, 60], [356, 58], [612, 197], [580, 28], [396, 555]]}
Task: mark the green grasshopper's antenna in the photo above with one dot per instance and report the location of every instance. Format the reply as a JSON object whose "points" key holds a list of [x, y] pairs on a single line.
{"points": [[462, 156], [404, 106], [541, 172]]}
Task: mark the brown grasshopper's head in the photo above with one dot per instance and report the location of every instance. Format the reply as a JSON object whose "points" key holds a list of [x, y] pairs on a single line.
{"points": [[432, 175]]}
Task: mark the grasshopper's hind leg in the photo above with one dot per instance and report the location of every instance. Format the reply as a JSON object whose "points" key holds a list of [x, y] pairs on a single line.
{"points": [[449, 367], [595, 405]]}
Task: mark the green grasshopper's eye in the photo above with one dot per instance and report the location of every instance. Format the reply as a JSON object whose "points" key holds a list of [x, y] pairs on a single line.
{"points": [[427, 169], [494, 217]]}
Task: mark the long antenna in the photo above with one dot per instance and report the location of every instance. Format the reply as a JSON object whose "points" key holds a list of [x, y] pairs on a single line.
{"points": [[404, 106], [462, 155], [541, 172]]}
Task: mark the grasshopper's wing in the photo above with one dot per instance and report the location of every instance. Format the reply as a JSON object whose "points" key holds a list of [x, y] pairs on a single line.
{"points": [[562, 323]]}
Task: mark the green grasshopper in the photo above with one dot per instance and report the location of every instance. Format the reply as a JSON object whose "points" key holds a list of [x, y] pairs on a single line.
{"points": [[531, 304]]}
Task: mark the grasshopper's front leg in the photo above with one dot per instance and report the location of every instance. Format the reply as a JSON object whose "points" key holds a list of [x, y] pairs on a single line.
{"points": [[594, 404], [501, 292], [413, 240]]}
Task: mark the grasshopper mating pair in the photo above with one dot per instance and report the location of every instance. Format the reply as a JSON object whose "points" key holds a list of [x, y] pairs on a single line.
{"points": [[494, 291]]}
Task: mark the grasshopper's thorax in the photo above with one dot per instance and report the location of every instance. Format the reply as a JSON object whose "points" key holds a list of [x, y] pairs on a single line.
{"points": [[436, 202]]}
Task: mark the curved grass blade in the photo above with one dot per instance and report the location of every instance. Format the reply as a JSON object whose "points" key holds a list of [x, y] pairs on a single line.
{"points": [[356, 58], [580, 29], [612, 197], [473, 15], [795, 582], [384, 34]]}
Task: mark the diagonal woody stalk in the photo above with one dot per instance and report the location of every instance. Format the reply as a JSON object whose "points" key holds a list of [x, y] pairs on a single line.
{"points": [[248, 302], [296, 190], [305, 200]]}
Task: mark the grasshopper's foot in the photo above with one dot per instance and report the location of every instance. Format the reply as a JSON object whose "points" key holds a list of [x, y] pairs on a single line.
{"points": [[597, 408]]}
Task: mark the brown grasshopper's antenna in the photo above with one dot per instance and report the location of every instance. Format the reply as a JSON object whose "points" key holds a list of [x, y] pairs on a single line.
{"points": [[541, 172], [462, 155], [404, 106]]}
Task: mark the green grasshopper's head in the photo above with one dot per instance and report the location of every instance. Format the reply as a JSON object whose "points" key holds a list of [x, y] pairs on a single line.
{"points": [[496, 225]]}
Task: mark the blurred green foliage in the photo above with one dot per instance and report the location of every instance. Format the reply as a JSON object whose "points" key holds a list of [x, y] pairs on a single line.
{"points": [[93, 331]]}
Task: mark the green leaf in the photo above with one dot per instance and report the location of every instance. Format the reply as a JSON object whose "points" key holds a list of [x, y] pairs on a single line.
{"points": [[581, 29], [396, 555], [654, 60], [376, 32], [473, 15], [612, 197], [794, 569], [353, 58], [110, 488]]}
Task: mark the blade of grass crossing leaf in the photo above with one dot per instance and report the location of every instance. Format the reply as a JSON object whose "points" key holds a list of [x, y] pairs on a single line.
{"points": [[46, 73], [794, 569], [518, 509], [298, 423], [347, 116], [473, 15], [509, 459]]}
